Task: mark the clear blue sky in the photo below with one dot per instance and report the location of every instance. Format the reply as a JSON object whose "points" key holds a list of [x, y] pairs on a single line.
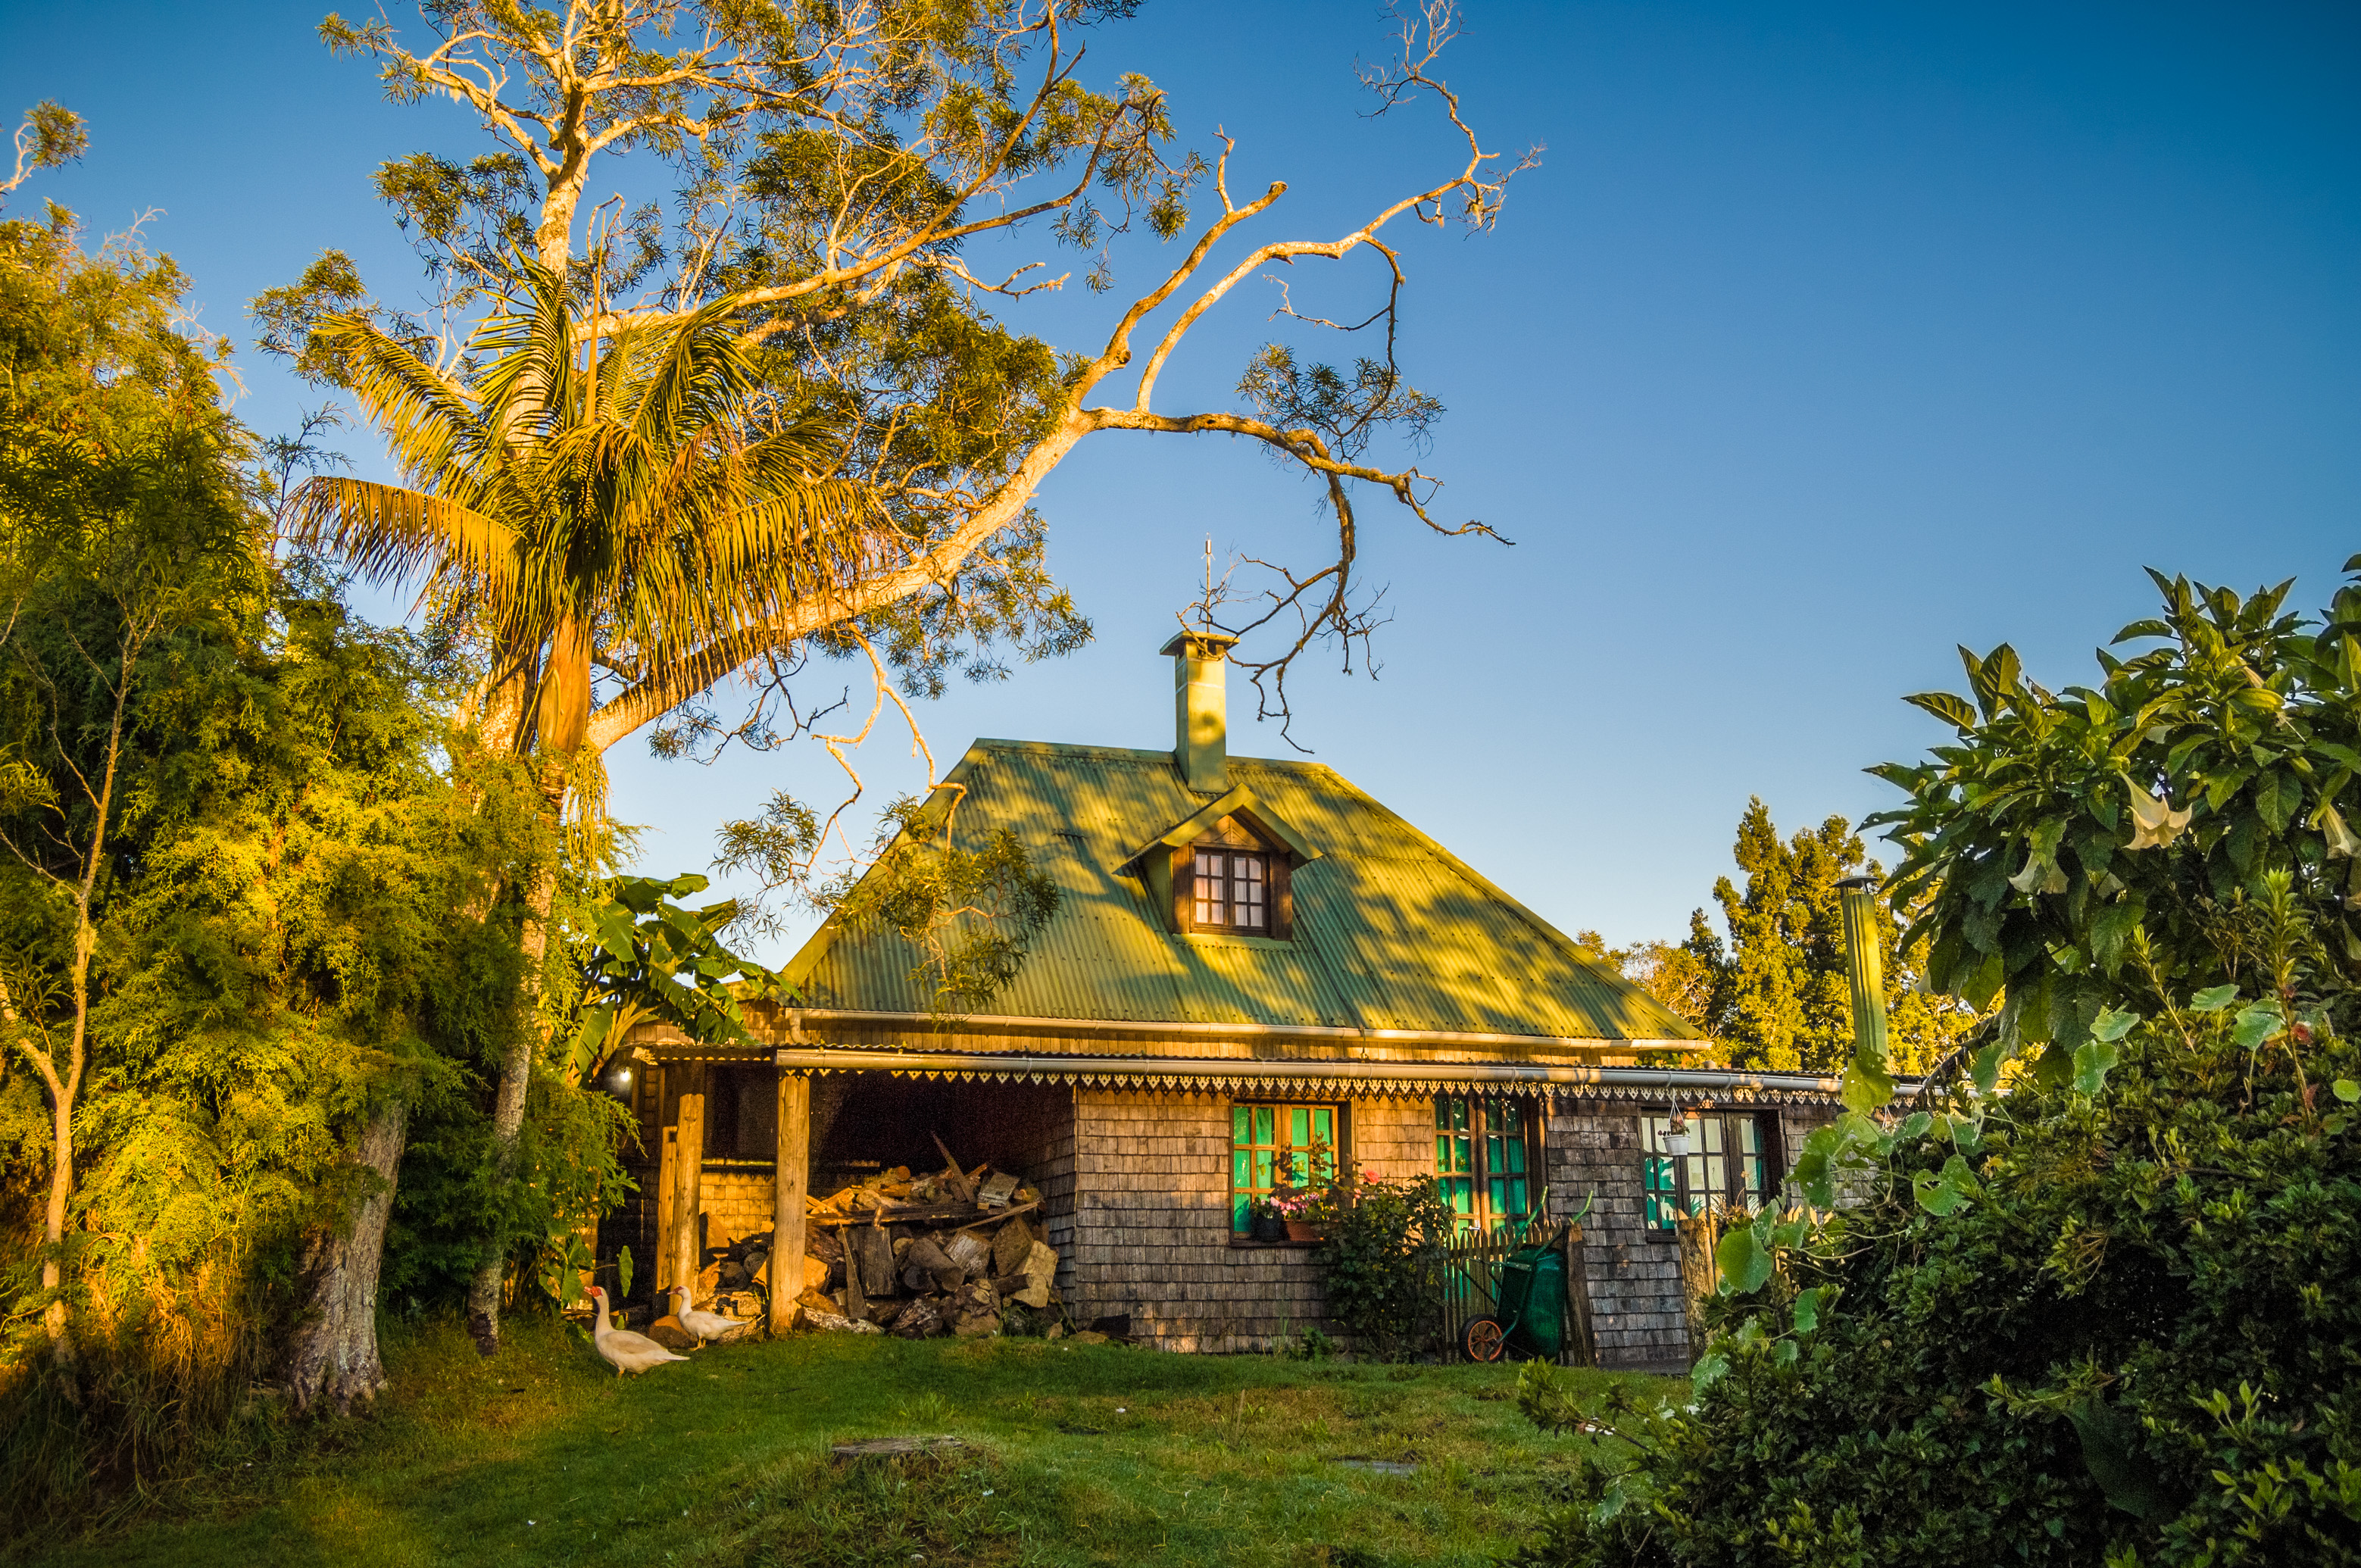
{"points": [[1826, 337]]}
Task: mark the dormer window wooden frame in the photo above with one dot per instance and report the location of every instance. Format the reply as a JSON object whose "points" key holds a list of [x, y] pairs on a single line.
{"points": [[1248, 848]]}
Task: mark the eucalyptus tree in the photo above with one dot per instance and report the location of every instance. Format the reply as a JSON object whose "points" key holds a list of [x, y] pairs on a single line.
{"points": [[837, 175]]}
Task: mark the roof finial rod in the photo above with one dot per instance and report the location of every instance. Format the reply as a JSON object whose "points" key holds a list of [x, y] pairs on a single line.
{"points": [[1206, 605]]}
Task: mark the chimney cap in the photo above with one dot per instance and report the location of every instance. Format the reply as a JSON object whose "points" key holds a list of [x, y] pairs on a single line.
{"points": [[1200, 643]]}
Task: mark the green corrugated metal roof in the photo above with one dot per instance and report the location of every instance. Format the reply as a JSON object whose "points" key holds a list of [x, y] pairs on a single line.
{"points": [[1391, 930]]}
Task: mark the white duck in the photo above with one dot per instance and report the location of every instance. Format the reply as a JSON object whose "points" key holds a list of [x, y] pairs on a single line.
{"points": [[621, 1348], [704, 1325]]}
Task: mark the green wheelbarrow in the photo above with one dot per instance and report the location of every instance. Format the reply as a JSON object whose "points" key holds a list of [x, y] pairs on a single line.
{"points": [[1529, 1311]]}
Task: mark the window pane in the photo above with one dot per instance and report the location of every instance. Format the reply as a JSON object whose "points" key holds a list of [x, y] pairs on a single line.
{"points": [[1208, 891], [1517, 1205], [1238, 1123], [1300, 1126], [1262, 1170], [1263, 1124], [1656, 1181], [1246, 892]]}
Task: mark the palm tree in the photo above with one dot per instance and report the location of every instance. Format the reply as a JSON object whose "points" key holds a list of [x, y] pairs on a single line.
{"points": [[628, 502]]}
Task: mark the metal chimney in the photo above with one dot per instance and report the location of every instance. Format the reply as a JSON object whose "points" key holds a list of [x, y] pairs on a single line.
{"points": [[1200, 742]]}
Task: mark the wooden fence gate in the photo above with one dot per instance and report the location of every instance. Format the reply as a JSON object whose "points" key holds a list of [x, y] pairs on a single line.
{"points": [[1471, 1285]]}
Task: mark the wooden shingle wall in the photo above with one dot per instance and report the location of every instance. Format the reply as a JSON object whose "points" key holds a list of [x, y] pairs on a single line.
{"points": [[1634, 1277], [1394, 1138], [1151, 1220], [1635, 1281], [1152, 1229], [1033, 1134], [737, 1196]]}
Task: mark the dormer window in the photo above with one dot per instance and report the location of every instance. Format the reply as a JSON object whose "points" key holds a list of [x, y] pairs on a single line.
{"points": [[1230, 890], [1226, 870]]}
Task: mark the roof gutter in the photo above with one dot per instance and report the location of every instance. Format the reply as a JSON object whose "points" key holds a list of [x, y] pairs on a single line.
{"points": [[1672, 1080], [1013, 1024]]}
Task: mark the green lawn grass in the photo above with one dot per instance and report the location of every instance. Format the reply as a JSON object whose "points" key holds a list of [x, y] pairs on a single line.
{"points": [[1076, 1454]]}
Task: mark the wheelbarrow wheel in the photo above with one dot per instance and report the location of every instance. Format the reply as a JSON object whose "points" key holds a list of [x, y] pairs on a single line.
{"points": [[1484, 1339]]}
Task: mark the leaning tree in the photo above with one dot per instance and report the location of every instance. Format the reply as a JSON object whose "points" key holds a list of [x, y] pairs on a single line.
{"points": [[836, 177]]}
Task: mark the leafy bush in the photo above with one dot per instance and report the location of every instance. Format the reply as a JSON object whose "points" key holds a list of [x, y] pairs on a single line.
{"points": [[2114, 1320], [1381, 1254]]}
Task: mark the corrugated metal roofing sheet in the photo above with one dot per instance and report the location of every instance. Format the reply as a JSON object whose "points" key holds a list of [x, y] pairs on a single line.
{"points": [[1391, 930]]}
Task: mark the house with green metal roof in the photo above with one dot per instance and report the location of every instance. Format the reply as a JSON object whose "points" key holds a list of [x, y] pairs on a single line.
{"points": [[1254, 970]]}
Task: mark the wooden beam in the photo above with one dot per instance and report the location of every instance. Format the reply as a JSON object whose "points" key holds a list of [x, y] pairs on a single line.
{"points": [[668, 1172], [688, 1163], [793, 1181]]}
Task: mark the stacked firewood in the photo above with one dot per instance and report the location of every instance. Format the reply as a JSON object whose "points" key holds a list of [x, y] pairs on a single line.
{"points": [[955, 1252]]}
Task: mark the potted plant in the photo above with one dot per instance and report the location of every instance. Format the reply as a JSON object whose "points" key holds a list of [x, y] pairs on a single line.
{"points": [[1264, 1221], [1294, 1211]]}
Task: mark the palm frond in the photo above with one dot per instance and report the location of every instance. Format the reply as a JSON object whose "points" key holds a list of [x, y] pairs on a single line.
{"points": [[388, 533]]}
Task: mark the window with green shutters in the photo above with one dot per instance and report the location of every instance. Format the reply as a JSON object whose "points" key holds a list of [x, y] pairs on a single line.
{"points": [[1273, 1146], [1483, 1160]]}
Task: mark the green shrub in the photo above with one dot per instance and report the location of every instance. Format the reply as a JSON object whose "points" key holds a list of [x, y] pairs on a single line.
{"points": [[2117, 1321], [1382, 1256]]}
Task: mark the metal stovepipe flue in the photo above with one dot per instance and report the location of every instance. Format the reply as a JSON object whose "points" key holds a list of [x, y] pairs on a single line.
{"points": [[1865, 970]]}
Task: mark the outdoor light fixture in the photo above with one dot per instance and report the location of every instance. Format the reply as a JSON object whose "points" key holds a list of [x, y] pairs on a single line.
{"points": [[620, 1081]]}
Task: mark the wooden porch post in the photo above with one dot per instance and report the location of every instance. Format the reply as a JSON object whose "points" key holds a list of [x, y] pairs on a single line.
{"points": [[794, 1176], [688, 1165], [668, 1172]]}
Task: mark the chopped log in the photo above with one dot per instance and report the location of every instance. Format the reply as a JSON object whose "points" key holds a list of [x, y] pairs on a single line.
{"points": [[823, 1245], [666, 1332], [925, 1267], [876, 1250], [817, 1272], [921, 1318], [836, 1323], [1010, 1245], [994, 1193], [975, 1310], [953, 1174], [1040, 1274], [969, 1251], [856, 1297]]}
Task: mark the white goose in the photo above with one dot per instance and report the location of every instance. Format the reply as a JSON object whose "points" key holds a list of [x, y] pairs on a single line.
{"points": [[621, 1348], [704, 1325]]}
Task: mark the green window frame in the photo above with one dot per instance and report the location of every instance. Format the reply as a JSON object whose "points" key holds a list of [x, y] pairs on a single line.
{"points": [[1482, 1159], [1273, 1146], [1727, 1167]]}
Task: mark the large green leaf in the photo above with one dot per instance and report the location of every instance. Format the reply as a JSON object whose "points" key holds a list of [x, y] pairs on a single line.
{"points": [[1745, 1265]]}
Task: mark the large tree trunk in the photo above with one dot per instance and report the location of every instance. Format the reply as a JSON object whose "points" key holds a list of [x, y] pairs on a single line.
{"points": [[334, 1356]]}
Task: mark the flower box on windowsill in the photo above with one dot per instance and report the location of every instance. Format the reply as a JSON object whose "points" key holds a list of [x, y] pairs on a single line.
{"points": [[1242, 1243], [1300, 1231]]}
